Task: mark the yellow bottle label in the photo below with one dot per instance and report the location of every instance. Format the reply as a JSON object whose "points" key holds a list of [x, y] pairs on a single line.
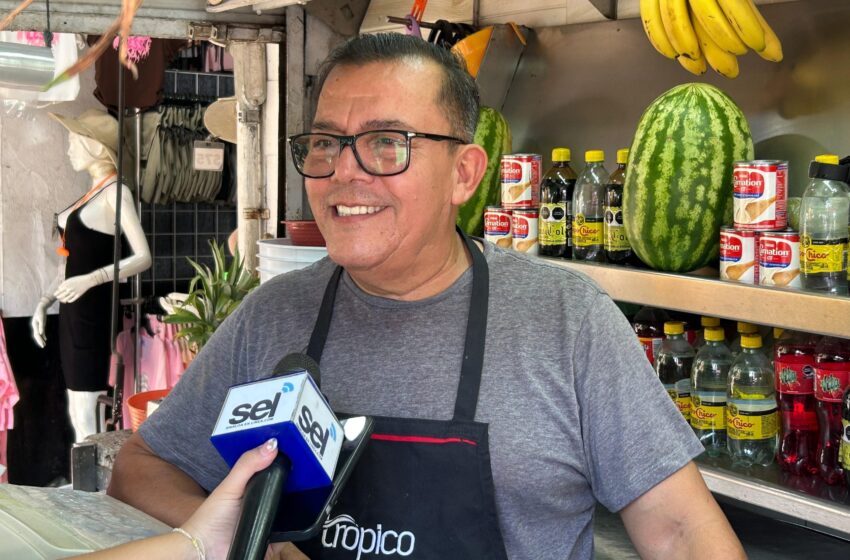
{"points": [[587, 232], [680, 392], [844, 450], [821, 256], [752, 420], [553, 224], [615, 231], [708, 411]]}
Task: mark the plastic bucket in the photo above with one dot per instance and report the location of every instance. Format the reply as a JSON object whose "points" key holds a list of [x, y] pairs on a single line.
{"points": [[138, 405], [282, 248]]}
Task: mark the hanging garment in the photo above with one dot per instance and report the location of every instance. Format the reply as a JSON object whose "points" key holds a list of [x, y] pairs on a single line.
{"points": [[8, 397], [64, 47]]}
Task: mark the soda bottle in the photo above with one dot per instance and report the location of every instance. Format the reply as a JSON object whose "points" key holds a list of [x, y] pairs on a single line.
{"points": [[673, 366], [794, 367], [617, 247], [705, 323], [589, 207], [691, 326], [845, 436], [648, 324], [832, 373], [824, 214], [556, 207], [751, 419], [743, 328], [709, 378]]}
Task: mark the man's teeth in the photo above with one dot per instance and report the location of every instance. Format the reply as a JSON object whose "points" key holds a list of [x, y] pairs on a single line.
{"points": [[357, 210]]}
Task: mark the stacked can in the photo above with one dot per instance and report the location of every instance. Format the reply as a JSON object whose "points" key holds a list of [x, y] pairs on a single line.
{"points": [[514, 223]]}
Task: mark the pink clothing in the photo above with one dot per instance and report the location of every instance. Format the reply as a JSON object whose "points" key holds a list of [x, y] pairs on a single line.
{"points": [[8, 397]]}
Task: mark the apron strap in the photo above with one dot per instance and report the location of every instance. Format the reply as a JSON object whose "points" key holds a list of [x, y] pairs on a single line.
{"points": [[323, 321]]}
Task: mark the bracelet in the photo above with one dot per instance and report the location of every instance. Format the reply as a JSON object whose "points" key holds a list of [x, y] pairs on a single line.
{"points": [[197, 543]]}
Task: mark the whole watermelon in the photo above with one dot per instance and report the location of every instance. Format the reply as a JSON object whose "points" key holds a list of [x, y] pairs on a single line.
{"points": [[494, 135], [678, 188]]}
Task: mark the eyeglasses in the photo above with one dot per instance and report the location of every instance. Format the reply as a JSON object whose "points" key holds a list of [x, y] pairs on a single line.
{"points": [[379, 152]]}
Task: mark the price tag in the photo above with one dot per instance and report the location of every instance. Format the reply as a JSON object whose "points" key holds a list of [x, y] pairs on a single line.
{"points": [[208, 156]]}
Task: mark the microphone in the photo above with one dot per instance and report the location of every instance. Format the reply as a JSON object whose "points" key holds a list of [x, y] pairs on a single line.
{"points": [[291, 408]]}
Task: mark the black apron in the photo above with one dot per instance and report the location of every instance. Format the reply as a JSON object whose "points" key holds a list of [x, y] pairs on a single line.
{"points": [[423, 489]]}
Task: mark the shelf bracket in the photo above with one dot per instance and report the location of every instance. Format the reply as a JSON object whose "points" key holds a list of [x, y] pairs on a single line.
{"points": [[607, 8]]}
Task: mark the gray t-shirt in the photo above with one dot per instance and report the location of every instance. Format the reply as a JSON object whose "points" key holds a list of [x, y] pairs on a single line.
{"points": [[575, 412]]}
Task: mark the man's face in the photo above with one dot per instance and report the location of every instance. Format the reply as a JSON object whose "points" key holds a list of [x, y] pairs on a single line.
{"points": [[371, 221]]}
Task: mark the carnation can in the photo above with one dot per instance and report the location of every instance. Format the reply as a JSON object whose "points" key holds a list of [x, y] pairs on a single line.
{"points": [[779, 259], [738, 255], [521, 175], [497, 226], [761, 194], [524, 230]]}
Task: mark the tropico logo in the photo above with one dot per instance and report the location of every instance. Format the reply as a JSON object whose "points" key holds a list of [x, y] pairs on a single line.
{"points": [[511, 172], [731, 248], [343, 532], [317, 435], [749, 184]]}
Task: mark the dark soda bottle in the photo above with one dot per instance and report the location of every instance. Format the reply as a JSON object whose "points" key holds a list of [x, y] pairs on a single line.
{"points": [[648, 324], [832, 373], [794, 368], [617, 247], [555, 221]]}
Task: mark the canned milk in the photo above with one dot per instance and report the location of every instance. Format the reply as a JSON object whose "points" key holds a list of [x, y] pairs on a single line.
{"points": [[497, 226], [738, 262], [760, 191], [521, 180], [524, 229], [779, 259]]}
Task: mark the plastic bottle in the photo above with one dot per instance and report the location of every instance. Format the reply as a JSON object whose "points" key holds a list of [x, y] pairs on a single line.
{"points": [[555, 221], [709, 378], [743, 328], [844, 450], [648, 324], [752, 422], [794, 367], [705, 323], [589, 207], [673, 366], [832, 377], [618, 250], [824, 214]]}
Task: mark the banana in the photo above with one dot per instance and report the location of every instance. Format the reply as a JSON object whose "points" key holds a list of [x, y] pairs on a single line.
{"points": [[714, 21], [773, 48], [677, 24], [697, 66], [650, 15], [742, 16], [723, 62]]}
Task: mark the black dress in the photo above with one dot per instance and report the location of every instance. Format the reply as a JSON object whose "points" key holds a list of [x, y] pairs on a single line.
{"points": [[84, 325]]}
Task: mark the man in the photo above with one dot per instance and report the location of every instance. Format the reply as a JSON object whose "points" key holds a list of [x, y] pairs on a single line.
{"points": [[512, 394]]}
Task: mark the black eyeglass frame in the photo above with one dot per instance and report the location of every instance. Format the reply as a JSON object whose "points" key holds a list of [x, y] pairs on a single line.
{"points": [[350, 140]]}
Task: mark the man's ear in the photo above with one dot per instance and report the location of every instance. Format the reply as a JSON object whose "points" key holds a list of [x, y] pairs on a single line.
{"points": [[470, 165]]}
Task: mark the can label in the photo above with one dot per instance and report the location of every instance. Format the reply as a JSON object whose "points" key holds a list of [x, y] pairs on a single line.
{"points": [[524, 228], [831, 380], [760, 194], [497, 226], [521, 180], [752, 419], [844, 450], [779, 260], [680, 392], [795, 375], [823, 255], [553, 224], [708, 410], [651, 345], [738, 255], [587, 231], [615, 231]]}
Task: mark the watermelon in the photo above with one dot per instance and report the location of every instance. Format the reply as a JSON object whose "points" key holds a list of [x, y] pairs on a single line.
{"points": [[494, 135], [678, 187]]}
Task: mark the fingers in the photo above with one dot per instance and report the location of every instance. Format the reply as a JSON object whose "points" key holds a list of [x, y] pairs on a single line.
{"points": [[249, 463]]}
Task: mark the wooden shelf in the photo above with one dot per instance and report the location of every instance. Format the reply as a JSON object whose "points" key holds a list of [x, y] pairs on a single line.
{"points": [[792, 309]]}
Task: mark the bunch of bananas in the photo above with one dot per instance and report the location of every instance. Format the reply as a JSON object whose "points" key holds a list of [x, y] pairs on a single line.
{"points": [[714, 31]]}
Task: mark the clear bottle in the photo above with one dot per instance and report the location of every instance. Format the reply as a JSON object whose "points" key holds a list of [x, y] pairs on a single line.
{"points": [[589, 208], [794, 367], [709, 378], [673, 366], [743, 328], [752, 422], [705, 323], [832, 377], [844, 450], [648, 324], [824, 215], [618, 250], [555, 221]]}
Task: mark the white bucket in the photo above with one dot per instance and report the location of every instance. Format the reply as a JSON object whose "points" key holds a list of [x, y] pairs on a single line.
{"points": [[266, 275], [278, 256]]}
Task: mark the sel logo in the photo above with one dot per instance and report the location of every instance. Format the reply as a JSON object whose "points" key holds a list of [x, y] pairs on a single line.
{"points": [[288, 387], [314, 431]]}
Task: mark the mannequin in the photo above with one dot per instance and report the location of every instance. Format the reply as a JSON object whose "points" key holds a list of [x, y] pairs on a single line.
{"points": [[84, 292]]}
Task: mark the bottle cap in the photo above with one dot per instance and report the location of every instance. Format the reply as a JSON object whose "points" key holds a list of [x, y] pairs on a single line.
{"points": [[777, 332], [751, 341], [715, 334], [709, 322], [561, 154], [593, 156], [831, 159], [674, 327], [747, 328], [623, 155]]}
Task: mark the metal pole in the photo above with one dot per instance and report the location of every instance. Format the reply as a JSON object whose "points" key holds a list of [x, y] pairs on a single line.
{"points": [[118, 397], [137, 279]]}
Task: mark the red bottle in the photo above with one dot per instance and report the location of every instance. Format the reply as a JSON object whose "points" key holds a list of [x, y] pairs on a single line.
{"points": [[648, 324], [832, 377], [794, 364]]}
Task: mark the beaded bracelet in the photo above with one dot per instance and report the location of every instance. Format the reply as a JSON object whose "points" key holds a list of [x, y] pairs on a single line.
{"points": [[197, 543]]}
